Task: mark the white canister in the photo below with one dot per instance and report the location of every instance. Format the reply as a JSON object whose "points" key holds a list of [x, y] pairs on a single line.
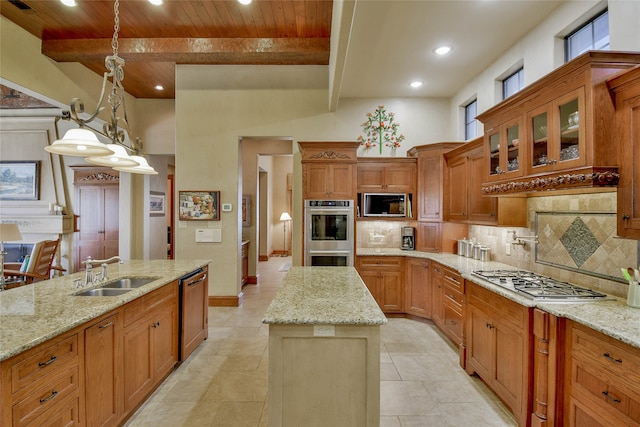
{"points": [[633, 294]]}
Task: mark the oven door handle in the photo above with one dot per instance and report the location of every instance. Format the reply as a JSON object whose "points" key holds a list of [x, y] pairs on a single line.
{"points": [[329, 251]]}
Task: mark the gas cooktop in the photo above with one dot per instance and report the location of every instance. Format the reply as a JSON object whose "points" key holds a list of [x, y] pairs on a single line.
{"points": [[538, 287]]}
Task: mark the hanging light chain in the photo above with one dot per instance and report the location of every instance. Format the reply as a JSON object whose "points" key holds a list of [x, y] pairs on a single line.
{"points": [[116, 27]]}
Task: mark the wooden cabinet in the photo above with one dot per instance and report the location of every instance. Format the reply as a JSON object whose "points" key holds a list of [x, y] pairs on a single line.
{"points": [[150, 342], [393, 175], [556, 133], [626, 90], [437, 294], [245, 263], [432, 235], [97, 205], [384, 278], [418, 294], [463, 199], [194, 324], [602, 379], [498, 347], [103, 371], [42, 386], [329, 170]]}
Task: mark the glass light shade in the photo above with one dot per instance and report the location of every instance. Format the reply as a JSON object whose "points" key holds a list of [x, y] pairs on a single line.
{"points": [[10, 233], [142, 168], [79, 142], [285, 217], [119, 158]]}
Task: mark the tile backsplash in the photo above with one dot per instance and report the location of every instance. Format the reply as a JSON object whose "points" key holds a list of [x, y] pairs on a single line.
{"points": [[380, 234], [577, 241]]}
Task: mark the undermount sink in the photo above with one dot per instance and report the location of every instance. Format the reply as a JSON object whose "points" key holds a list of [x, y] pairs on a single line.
{"points": [[102, 292], [128, 282]]}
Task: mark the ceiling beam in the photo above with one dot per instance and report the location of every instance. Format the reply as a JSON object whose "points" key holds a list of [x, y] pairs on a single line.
{"points": [[255, 51]]}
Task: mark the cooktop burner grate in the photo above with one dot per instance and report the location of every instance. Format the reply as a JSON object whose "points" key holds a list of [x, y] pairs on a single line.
{"points": [[537, 286]]}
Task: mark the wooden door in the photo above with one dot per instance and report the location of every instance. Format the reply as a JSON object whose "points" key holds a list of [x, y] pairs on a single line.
{"points": [[456, 196], [428, 238], [391, 286], [342, 181], [400, 178], [437, 292], [370, 178], [508, 375], [370, 279], [479, 208], [111, 224], [102, 372], [480, 343], [164, 332], [195, 327], [628, 128], [138, 374]]}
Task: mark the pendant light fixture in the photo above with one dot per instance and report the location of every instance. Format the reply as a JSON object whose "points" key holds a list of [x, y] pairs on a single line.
{"points": [[84, 141]]}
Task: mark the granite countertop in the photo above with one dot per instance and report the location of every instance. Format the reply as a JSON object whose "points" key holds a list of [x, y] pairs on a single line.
{"points": [[32, 314], [612, 317], [323, 296]]}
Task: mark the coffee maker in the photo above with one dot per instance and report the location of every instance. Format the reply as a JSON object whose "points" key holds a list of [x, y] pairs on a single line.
{"points": [[408, 238]]}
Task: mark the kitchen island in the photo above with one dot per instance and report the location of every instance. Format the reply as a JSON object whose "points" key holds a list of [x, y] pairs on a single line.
{"points": [[324, 350], [67, 359]]}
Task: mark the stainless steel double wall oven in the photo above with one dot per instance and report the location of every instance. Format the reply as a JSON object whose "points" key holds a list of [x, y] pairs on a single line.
{"points": [[329, 232]]}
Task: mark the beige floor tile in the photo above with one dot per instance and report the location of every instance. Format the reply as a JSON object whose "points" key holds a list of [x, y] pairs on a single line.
{"points": [[406, 398]]}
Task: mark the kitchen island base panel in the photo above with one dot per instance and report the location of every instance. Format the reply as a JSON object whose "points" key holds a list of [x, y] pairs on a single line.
{"points": [[324, 380]]}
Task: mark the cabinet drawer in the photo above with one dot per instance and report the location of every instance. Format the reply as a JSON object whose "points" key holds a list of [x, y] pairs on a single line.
{"points": [[453, 323], [454, 296], [147, 304], [380, 262], [58, 389], [497, 306], [53, 357], [453, 279], [609, 393], [606, 352]]}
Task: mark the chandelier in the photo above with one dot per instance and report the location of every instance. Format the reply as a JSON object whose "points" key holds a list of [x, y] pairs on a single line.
{"points": [[84, 142]]}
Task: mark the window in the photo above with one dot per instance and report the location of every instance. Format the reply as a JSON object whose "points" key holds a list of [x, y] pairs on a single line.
{"points": [[513, 83], [470, 122], [594, 35]]}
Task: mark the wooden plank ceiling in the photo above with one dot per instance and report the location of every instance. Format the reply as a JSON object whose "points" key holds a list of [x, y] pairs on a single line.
{"points": [[153, 39]]}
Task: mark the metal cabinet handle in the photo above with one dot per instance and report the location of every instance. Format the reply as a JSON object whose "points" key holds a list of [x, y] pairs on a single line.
{"points": [[608, 356], [106, 325], [202, 279], [48, 362], [54, 393], [611, 398], [625, 217]]}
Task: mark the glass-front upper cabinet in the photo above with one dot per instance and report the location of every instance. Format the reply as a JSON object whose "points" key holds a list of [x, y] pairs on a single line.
{"points": [[504, 151], [556, 135]]}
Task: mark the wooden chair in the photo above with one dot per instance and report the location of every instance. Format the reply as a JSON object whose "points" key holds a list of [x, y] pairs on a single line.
{"points": [[40, 263]]}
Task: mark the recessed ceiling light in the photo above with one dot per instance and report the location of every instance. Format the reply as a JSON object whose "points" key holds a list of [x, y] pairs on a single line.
{"points": [[70, 3], [158, 87], [416, 84], [442, 50], [244, 1], [156, 2]]}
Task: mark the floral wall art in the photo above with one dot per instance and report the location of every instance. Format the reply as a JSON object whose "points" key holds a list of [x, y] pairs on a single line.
{"points": [[380, 129]]}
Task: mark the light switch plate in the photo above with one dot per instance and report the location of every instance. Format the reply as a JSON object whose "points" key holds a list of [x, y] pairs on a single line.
{"points": [[227, 207]]}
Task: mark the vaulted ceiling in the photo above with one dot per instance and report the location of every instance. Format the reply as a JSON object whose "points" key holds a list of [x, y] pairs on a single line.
{"points": [[383, 43]]}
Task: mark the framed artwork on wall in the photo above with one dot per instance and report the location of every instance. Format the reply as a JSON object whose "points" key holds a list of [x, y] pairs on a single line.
{"points": [[246, 211], [20, 180], [199, 205], [156, 203]]}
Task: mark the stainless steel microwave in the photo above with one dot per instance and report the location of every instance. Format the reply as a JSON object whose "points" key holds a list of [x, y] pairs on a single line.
{"points": [[384, 204]]}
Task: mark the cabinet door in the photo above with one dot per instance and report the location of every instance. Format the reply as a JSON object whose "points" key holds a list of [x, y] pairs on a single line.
{"points": [[418, 288], [437, 289], [370, 178], [164, 341], [430, 188], [138, 374], [510, 359], [456, 209], [400, 178], [628, 130], [479, 208], [480, 343], [569, 148], [503, 151], [370, 279], [391, 286], [316, 181], [102, 372], [342, 181], [428, 238]]}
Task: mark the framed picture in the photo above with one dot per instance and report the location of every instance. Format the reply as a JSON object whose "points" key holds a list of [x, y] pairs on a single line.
{"points": [[199, 205], [156, 203], [246, 211], [20, 180]]}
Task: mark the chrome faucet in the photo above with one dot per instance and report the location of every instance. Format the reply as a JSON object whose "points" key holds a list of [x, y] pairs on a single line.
{"points": [[89, 276]]}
